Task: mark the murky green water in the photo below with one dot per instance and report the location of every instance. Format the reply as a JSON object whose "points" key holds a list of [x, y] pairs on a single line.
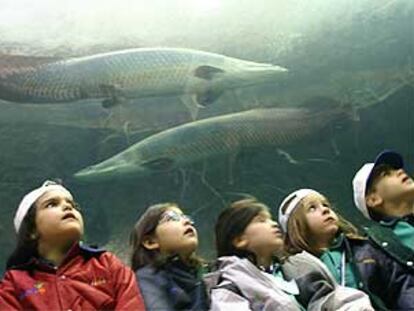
{"points": [[354, 54]]}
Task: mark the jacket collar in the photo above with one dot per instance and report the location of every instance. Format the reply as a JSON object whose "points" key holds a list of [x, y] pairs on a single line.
{"points": [[46, 265], [338, 242], [390, 221]]}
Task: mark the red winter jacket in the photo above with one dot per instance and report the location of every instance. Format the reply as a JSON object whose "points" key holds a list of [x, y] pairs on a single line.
{"points": [[87, 279]]}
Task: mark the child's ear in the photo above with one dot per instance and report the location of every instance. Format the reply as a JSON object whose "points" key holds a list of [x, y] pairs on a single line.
{"points": [[240, 242], [150, 243], [372, 200]]}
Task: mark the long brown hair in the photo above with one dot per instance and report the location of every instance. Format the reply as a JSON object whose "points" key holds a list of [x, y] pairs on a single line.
{"points": [[27, 241], [298, 233], [232, 222], [145, 226]]}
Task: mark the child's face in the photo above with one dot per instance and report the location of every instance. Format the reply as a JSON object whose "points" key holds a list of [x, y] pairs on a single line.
{"points": [[58, 222], [320, 219], [175, 233], [393, 185], [262, 236]]}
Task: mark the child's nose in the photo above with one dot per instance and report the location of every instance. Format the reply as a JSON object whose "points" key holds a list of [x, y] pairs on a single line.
{"points": [[188, 221], [67, 206], [274, 224], [325, 209]]}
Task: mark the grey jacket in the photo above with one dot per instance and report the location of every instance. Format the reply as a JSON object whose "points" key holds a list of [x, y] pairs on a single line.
{"points": [[251, 289], [319, 289]]}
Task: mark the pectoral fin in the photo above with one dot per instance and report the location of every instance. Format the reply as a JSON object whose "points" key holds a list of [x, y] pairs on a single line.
{"points": [[207, 72], [190, 102], [113, 94], [112, 102], [207, 97]]}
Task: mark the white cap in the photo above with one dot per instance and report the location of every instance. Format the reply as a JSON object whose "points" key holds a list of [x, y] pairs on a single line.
{"points": [[359, 184], [294, 198], [362, 177], [30, 198]]}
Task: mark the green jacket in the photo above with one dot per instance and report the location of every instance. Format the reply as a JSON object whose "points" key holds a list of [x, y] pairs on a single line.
{"points": [[402, 227]]}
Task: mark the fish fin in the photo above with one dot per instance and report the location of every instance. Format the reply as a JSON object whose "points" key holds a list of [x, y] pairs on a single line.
{"points": [[159, 164], [287, 156], [113, 93], [207, 72], [207, 97], [191, 103]]}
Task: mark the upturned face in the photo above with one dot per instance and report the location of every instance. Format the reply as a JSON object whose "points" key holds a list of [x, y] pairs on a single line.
{"points": [[58, 219], [262, 236], [321, 220], [175, 233], [392, 185]]}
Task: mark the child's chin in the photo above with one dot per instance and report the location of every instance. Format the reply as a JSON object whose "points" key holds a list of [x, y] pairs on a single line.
{"points": [[278, 246], [73, 234], [190, 248]]}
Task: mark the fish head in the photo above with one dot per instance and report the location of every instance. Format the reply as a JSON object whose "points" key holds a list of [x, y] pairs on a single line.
{"points": [[119, 167], [106, 170]]}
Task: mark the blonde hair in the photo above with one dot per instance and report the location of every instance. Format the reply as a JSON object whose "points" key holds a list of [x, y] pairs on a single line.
{"points": [[298, 233]]}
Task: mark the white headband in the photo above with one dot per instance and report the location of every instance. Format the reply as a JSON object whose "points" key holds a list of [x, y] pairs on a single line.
{"points": [[294, 198], [30, 198]]}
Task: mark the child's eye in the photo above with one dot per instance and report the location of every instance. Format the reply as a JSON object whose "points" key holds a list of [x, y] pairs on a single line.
{"points": [[312, 208], [386, 173], [263, 218], [51, 204]]}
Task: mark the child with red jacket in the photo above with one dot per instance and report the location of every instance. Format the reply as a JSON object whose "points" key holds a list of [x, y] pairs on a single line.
{"points": [[51, 269]]}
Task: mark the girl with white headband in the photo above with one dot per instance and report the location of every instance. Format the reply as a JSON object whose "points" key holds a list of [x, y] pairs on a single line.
{"points": [[255, 273], [51, 269], [310, 224]]}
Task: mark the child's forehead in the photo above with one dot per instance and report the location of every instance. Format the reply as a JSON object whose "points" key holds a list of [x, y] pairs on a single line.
{"points": [[382, 169], [378, 173], [55, 194], [264, 213], [314, 197]]}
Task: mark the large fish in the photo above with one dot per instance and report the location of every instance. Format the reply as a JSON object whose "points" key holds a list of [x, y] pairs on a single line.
{"points": [[134, 73], [200, 140]]}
